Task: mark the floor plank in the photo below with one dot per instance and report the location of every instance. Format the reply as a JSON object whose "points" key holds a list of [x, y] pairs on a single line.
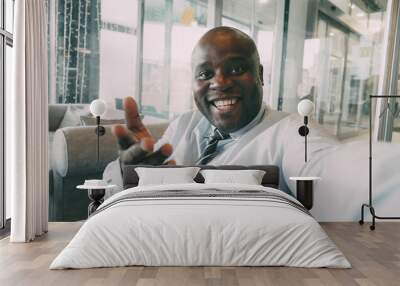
{"points": [[374, 255]]}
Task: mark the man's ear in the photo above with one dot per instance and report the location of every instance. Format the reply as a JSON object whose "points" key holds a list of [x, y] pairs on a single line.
{"points": [[261, 74]]}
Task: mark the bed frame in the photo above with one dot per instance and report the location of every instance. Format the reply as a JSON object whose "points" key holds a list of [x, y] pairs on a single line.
{"points": [[270, 179]]}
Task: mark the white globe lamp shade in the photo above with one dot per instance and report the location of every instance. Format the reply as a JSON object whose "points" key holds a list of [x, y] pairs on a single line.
{"points": [[97, 107], [305, 107]]}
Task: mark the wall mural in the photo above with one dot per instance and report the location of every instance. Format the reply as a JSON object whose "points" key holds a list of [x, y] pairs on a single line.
{"points": [[210, 100]]}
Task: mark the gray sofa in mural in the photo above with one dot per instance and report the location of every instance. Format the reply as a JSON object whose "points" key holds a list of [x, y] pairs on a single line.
{"points": [[73, 159], [59, 118]]}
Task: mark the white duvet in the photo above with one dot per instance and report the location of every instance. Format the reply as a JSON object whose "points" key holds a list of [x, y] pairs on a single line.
{"points": [[200, 231]]}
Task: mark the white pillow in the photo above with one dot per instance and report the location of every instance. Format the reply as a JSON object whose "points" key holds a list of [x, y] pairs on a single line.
{"points": [[163, 176], [248, 177]]}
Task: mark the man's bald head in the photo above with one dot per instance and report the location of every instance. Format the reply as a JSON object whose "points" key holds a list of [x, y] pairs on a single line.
{"points": [[229, 37], [227, 78]]}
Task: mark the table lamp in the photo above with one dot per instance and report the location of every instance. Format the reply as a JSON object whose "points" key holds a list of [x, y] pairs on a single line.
{"points": [[98, 108], [305, 108]]}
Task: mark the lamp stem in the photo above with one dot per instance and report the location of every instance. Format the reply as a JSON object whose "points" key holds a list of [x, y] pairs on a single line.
{"points": [[98, 138], [305, 138], [370, 152], [305, 149]]}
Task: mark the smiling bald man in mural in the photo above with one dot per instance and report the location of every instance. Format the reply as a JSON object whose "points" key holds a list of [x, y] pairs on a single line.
{"points": [[233, 126], [227, 90]]}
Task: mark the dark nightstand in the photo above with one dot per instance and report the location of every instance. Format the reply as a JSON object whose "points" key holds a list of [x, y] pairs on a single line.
{"points": [[304, 190], [96, 195]]}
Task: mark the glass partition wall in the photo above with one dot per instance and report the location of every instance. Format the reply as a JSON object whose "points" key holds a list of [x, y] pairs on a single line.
{"points": [[171, 28], [329, 51], [335, 60], [170, 31], [388, 110]]}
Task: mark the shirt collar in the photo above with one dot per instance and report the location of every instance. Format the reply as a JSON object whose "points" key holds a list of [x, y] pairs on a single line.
{"points": [[250, 125]]}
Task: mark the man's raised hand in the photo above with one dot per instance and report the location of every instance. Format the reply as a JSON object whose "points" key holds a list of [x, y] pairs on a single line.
{"points": [[135, 141]]}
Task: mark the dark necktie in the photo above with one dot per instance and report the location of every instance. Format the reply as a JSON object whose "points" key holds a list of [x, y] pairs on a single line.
{"points": [[210, 151]]}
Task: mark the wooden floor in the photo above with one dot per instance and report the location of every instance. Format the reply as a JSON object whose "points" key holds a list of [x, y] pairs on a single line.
{"points": [[375, 257]]}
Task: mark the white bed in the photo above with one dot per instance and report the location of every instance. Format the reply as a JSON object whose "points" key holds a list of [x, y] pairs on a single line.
{"points": [[184, 230]]}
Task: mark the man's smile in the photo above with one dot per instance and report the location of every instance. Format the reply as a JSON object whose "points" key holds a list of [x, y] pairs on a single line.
{"points": [[222, 105]]}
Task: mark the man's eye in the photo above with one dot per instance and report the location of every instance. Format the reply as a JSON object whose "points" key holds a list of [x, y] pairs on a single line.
{"points": [[204, 75], [237, 69]]}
